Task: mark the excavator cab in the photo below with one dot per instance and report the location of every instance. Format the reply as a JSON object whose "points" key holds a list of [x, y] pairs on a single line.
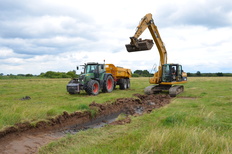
{"points": [[172, 73]]}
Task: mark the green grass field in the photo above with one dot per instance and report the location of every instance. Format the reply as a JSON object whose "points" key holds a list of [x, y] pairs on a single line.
{"points": [[197, 121], [49, 98]]}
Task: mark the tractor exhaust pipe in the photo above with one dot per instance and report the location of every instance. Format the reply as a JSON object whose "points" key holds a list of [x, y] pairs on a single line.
{"points": [[139, 45]]}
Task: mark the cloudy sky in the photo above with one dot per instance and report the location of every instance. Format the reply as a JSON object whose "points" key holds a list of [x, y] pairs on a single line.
{"points": [[58, 35]]}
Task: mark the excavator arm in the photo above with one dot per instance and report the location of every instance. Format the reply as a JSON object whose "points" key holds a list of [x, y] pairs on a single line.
{"points": [[137, 44]]}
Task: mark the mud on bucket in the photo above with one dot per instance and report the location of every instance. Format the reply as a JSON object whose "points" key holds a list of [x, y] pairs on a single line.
{"points": [[142, 45]]}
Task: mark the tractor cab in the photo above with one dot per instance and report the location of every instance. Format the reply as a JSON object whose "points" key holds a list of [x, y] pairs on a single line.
{"points": [[94, 70], [173, 73]]}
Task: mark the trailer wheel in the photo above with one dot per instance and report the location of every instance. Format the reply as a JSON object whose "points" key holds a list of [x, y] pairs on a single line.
{"points": [[123, 84], [128, 83], [92, 87], [108, 85]]}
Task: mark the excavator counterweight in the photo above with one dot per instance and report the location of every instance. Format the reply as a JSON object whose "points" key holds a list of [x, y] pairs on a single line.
{"points": [[140, 45]]}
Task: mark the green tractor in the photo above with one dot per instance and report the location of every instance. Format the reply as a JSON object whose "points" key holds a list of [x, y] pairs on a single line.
{"points": [[92, 80]]}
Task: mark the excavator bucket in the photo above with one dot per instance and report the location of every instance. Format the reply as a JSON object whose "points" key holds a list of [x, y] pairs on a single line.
{"points": [[146, 44]]}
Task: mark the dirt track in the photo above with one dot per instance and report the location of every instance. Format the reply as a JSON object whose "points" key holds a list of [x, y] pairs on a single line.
{"points": [[25, 138]]}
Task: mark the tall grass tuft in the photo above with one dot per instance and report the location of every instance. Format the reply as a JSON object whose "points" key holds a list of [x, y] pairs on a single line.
{"points": [[185, 140]]}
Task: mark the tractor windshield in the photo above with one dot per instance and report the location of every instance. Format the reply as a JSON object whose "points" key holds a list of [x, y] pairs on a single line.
{"points": [[90, 69]]}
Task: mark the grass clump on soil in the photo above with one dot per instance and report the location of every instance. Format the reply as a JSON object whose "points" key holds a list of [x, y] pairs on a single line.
{"points": [[197, 121], [122, 116], [93, 111]]}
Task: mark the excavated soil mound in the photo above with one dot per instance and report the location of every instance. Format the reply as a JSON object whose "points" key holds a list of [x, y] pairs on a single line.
{"points": [[25, 138]]}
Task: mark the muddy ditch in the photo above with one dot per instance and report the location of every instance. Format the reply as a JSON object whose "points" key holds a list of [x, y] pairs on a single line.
{"points": [[25, 138]]}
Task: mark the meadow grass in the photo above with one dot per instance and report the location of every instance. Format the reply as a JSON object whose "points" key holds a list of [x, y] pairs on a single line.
{"points": [[197, 121], [49, 98]]}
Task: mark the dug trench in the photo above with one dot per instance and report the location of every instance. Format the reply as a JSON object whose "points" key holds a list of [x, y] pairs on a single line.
{"points": [[27, 138]]}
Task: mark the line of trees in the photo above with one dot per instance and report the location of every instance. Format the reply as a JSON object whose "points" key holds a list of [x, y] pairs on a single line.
{"points": [[199, 74], [72, 74], [48, 74], [145, 73]]}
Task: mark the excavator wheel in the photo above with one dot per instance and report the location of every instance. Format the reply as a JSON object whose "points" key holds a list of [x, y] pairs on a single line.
{"points": [[92, 87]]}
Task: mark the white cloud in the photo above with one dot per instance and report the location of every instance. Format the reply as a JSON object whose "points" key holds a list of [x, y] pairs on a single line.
{"points": [[5, 52], [57, 35]]}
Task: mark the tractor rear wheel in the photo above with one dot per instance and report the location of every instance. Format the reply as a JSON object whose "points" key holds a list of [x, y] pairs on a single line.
{"points": [[92, 87], [108, 85]]}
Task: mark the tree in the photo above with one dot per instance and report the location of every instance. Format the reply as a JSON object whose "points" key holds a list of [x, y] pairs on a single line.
{"points": [[144, 73], [139, 72], [28, 75], [135, 75], [198, 73], [72, 74], [219, 74]]}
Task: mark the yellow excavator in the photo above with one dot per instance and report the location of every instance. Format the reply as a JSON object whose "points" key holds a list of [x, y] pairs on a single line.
{"points": [[168, 75]]}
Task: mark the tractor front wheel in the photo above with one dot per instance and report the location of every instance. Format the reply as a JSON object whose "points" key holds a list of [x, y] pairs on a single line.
{"points": [[92, 87]]}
